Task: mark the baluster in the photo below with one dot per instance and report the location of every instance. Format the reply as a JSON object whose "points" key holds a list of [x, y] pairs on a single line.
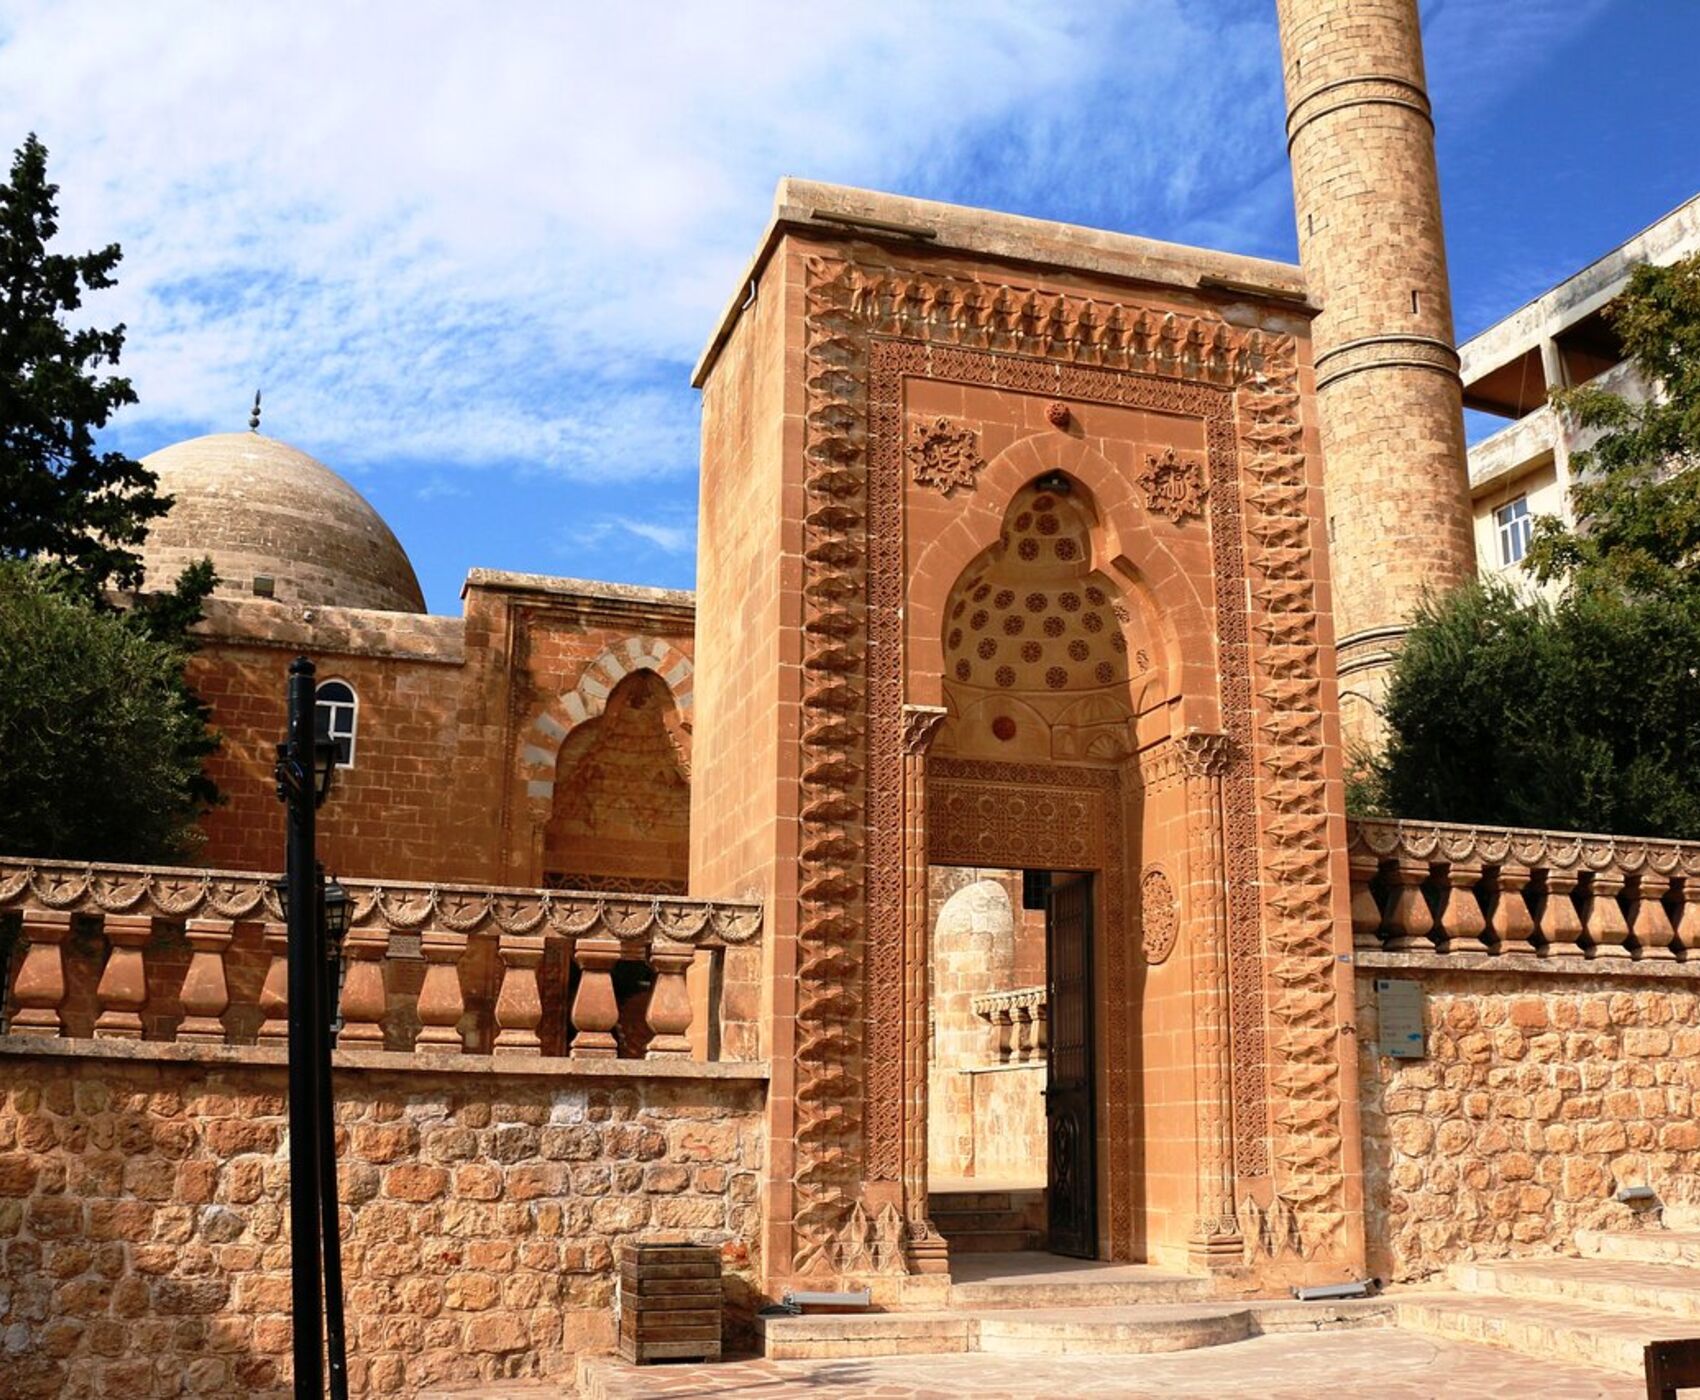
{"points": [[1560, 927], [123, 989], [595, 1012], [441, 1004], [38, 991], [1606, 925], [364, 997], [1366, 913], [274, 995], [1021, 1018], [1651, 925], [1460, 926], [1041, 1028], [519, 1005], [670, 1004], [1512, 924], [1410, 923], [206, 994], [1688, 921], [1006, 1033]]}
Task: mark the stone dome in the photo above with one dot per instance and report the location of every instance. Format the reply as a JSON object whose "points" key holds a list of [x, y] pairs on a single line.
{"points": [[264, 510]]}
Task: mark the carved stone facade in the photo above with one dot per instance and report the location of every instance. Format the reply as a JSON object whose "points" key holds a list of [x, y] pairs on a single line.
{"points": [[1199, 575]]}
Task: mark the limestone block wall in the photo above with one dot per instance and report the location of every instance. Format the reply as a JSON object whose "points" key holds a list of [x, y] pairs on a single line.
{"points": [[144, 1209], [1009, 1124], [973, 952], [1541, 1093]]}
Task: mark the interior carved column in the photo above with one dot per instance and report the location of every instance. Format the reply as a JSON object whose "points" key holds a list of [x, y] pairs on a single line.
{"points": [[928, 1252], [1215, 1241]]}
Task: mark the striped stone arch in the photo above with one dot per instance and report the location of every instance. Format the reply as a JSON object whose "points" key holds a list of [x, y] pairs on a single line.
{"points": [[540, 744]]}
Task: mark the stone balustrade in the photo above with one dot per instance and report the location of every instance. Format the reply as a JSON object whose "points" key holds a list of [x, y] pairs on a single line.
{"points": [[1477, 891], [1015, 1024], [200, 956]]}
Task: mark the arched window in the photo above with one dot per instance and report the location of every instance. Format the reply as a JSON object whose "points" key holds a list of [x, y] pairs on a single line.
{"points": [[337, 707]]}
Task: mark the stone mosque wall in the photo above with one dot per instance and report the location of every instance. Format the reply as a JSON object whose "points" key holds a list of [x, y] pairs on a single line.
{"points": [[144, 1208], [1539, 1096], [479, 738]]}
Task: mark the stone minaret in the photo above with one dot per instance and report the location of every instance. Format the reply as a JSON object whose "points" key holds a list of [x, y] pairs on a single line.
{"points": [[1361, 140]]}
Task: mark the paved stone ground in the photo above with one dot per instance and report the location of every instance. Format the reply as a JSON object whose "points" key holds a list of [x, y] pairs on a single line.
{"points": [[1384, 1362]]}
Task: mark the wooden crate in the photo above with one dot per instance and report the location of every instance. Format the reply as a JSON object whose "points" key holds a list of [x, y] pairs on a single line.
{"points": [[669, 1302]]}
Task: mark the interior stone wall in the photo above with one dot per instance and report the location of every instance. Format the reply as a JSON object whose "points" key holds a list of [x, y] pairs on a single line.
{"points": [[973, 951], [1539, 1096], [144, 1208]]}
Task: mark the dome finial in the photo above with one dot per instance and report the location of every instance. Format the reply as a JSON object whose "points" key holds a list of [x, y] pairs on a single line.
{"points": [[254, 417]]}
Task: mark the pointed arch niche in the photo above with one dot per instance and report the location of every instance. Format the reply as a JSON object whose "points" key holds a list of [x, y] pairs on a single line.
{"points": [[620, 805], [1046, 655]]}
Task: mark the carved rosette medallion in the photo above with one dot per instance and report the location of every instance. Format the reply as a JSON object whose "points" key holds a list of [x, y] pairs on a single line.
{"points": [[943, 455], [1173, 487], [1160, 915]]}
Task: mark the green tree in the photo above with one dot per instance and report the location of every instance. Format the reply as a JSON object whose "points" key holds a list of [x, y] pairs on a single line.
{"points": [[1516, 712], [61, 497], [1582, 714], [103, 756], [103, 741]]}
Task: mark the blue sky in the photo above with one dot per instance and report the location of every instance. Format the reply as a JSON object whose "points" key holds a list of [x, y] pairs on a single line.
{"points": [[472, 263]]}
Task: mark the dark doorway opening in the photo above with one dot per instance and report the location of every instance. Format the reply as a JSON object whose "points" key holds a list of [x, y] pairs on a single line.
{"points": [[1071, 1193]]}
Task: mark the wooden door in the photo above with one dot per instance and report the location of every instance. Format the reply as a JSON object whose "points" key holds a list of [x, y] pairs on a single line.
{"points": [[1071, 1196]]}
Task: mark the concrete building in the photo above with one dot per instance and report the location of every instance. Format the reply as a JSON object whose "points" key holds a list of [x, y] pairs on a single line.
{"points": [[1560, 340]]}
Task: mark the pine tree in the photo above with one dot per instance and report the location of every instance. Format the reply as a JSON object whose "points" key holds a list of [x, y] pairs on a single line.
{"points": [[61, 498]]}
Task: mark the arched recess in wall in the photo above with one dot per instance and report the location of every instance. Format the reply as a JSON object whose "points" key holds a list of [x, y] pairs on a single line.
{"points": [[1124, 544], [1046, 655], [634, 699]]}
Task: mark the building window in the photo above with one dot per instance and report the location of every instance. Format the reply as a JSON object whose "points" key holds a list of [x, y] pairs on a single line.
{"points": [[1514, 525], [336, 715]]}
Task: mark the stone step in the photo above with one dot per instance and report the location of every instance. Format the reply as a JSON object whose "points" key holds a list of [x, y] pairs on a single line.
{"points": [[1104, 1331], [822, 1335], [1645, 1246], [966, 1222], [1109, 1331], [992, 1241], [1550, 1331], [1670, 1289], [1080, 1291], [1008, 1198]]}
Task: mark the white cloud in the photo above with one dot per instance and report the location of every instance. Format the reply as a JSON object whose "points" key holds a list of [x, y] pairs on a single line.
{"points": [[669, 539], [499, 234]]}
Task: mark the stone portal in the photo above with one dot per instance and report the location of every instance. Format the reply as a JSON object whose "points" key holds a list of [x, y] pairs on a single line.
{"points": [[1013, 557]]}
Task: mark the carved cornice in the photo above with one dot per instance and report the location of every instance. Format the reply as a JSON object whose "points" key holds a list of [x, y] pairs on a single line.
{"points": [[1447, 843], [1018, 319], [401, 906]]}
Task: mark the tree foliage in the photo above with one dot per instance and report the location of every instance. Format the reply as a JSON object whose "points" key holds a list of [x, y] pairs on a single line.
{"points": [[61, 497], [1516, 712], [102, 742], [1584, 713], [103, 747]]}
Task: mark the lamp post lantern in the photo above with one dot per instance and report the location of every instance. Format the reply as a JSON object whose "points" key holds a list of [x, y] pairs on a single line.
{"points": [[306, 764]]}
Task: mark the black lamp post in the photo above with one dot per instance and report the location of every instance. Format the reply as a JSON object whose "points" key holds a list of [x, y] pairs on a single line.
{"points": [[306, 763]]}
